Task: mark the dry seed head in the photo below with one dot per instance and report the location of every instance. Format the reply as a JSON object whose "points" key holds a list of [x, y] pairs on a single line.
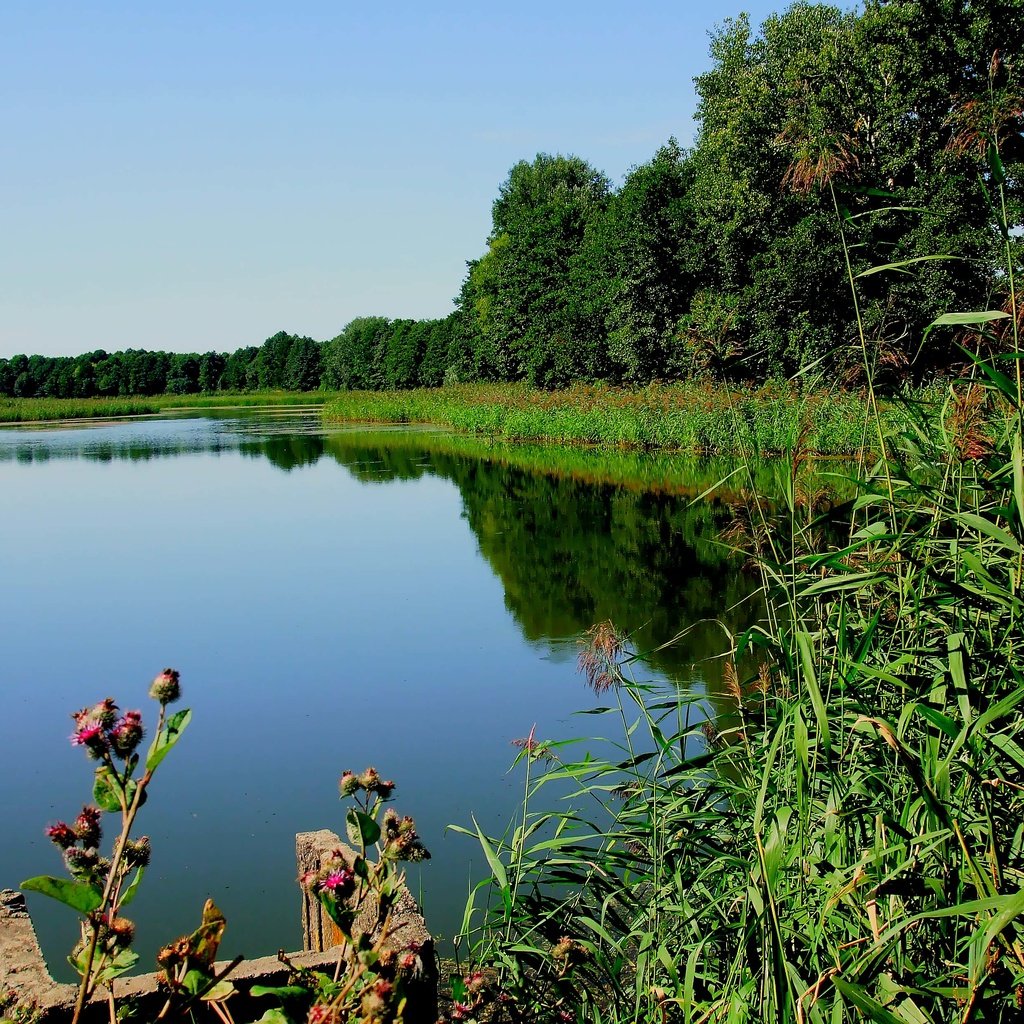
{"points": [[601, 648], [731, 681]]}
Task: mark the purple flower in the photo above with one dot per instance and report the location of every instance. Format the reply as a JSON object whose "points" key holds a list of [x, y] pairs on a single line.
{"points": [[90, 734], [337, 882]]}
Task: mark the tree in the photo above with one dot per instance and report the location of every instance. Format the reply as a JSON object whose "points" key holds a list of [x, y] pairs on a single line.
{"points": [[354, 359], [302, 366], [637, 271], [211, 366], [518, 290]]}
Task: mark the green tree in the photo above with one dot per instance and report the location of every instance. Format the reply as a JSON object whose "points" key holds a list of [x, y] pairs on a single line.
{"points": [[211, 366], [518, 291], [302, 366], [354, 359], [637, 271]]}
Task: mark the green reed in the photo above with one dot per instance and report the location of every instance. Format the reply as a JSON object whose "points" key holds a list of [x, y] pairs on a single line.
{"points": [[26, 410], [697, 418], [845, 842]]}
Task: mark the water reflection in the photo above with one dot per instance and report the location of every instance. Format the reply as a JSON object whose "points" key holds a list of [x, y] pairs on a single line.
{"points": [[576, 536], [309, 582]]}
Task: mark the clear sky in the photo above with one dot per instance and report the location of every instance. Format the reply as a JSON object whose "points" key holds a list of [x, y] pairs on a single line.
{"points": [[192, 176]]}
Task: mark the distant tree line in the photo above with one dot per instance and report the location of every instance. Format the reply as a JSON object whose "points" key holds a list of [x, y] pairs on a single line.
{"points": [[723, 260]]}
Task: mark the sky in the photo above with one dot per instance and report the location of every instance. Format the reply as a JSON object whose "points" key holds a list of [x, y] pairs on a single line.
{"points": [[191, 176]]}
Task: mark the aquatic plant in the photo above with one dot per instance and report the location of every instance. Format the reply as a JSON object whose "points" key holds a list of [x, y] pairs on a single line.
{"points": [[698, 418]]}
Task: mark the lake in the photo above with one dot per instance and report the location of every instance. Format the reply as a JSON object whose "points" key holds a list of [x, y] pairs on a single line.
{"points": [[333, 599]]}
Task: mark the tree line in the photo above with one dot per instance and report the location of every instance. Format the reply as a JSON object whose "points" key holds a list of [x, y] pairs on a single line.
{"points": [[723, 260]]}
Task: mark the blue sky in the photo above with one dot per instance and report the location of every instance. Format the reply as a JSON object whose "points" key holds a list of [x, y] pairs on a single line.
{"points": [[194, 176]]}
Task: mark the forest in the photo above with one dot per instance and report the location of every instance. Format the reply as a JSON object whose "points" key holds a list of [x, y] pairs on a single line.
{"points": [[721, 261]]}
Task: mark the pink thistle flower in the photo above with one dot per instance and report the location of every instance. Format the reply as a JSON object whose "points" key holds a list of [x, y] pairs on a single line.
{"points": [[91, 735], [338, 883]]}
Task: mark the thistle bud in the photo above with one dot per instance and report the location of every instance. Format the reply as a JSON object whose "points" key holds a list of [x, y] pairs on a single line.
{"points": [[82, 864], [336, 882], [122, 931], [87, 827], [323, 1014], [105, 713], [348, 784], [475, 983], [126, 734], [62, 835], [90, 730], [571, 951], [166, 689], [137, 852]]}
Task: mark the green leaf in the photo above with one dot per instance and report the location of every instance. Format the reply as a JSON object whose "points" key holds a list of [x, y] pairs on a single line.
{"points": [[167, 737], [281, 991], [995, 163], [195, 981], [79, 896], [221, 991], [497, 868], [133, 888], [275, 1015], [363, 831], [988, 529], [864, 1002], [107, 792], [966, 319], [810, 679], [901, 266], [121, 964]]}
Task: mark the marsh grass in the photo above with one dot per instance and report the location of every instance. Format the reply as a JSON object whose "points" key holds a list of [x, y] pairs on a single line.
{"points": [[847, 842], [28, 410], [777, 418]]}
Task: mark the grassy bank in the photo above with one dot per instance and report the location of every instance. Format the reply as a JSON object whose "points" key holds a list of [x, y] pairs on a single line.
{"points": [[28, 410], [696, 418], [647, 472]]}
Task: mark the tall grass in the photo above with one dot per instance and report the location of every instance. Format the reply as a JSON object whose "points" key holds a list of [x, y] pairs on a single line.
{"points": [[695, 418], [27, 410], [847, 843]]}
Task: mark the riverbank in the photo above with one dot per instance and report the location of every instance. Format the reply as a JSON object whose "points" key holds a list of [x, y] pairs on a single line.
{"points": [[695, 418], [34, 410]]}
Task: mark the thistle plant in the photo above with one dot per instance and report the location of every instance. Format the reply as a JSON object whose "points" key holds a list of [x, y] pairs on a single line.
{"points": [[358, 889], [99, 887]]}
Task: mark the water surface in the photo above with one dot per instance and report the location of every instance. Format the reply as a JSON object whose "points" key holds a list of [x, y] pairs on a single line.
{"points": [[401, 598]]}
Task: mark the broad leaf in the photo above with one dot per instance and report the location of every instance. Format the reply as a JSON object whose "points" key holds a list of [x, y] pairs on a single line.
{"points": [[106, 791], [362, 829], [79, 896]]}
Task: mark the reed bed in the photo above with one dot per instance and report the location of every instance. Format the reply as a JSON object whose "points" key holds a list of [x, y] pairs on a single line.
{"points": [[27, 410], [845, 841], [695, 418]]}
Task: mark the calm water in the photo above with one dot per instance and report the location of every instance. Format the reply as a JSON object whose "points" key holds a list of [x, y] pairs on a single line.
{"points": [[333, 600]]}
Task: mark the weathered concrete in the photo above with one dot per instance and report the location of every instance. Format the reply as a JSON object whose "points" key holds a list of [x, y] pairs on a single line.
{"points": [[23, 969]]}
